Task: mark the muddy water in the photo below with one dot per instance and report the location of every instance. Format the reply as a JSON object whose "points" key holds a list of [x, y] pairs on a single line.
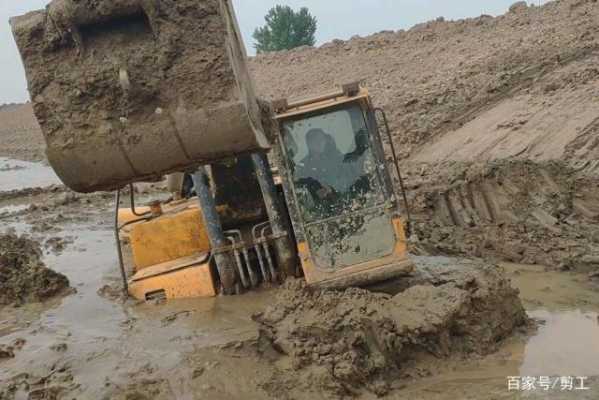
{"points": [[112, 348], [565, 343], [15, 174], [107, 342]]}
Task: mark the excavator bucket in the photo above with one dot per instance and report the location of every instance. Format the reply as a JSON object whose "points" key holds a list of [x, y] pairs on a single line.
{"points": [[130, 90]]}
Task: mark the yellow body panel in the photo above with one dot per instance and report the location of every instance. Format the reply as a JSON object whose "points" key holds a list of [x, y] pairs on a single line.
{"points": [[170, 252], [176, 280], [398, 258], [169, 237]]}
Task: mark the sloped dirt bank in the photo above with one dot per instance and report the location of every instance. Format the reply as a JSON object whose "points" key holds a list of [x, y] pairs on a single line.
{"points": [[20, 134], [517, 211], [530, 74], [343, 343], [23, 276]]}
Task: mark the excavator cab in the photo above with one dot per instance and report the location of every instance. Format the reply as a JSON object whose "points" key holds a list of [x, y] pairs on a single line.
{"points": [[345, 213]]}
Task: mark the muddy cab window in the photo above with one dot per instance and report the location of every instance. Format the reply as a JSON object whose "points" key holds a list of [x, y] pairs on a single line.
{"points": [[334, 170]]}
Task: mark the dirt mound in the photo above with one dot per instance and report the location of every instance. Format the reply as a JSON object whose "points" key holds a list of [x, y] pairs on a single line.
{"points": [[23, 276], [535, 65], [344, 342], [519, 211]]}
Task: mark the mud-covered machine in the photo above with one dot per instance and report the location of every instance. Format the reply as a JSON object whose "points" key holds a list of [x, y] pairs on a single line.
{"points": [[132, 90]]}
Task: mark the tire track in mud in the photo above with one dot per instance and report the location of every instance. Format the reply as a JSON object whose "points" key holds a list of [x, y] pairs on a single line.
{"points": [[514, 211]]}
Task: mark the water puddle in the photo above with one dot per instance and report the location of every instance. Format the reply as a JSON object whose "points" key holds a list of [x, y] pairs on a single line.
{"points": [[566, 344], [553, 290], [16, 175], [102, 335]]}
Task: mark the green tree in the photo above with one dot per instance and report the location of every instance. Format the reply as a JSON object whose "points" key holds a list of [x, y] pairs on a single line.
{"points": [[285, 29]]}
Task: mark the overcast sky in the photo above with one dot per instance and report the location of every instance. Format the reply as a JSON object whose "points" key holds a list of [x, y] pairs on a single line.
{"points": [[337, 19]]}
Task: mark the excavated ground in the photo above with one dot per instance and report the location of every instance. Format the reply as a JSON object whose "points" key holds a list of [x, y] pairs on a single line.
{"points": [[530, 75], [496, 123], [446, 324], [455, 323]]}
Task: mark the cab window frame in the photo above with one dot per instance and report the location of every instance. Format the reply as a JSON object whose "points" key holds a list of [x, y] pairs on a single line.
{"points": [[304, 217]]}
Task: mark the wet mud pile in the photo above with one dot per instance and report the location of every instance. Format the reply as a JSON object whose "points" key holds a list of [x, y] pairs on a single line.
{"points": [[517, 211], [345, 342], [8, 351], [23, 276], [29, 192]]}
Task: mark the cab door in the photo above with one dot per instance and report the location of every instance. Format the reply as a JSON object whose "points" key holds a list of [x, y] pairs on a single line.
{"points": [[337, 185]]}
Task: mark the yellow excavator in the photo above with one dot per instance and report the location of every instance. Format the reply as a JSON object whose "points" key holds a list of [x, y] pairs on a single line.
{"points": [[133, 90]]}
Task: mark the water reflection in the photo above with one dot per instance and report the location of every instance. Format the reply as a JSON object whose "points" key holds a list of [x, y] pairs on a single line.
{"points": [[567, 344], [15, 175]]}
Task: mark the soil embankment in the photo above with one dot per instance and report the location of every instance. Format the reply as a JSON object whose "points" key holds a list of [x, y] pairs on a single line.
{"points": [[20, 134], [523, 84]]}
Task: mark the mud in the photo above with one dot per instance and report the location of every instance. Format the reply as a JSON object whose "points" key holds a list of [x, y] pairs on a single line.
{"points": [[57, 244], [517, 211], [8, 351], [345, 342], [210, 348], [495, 120], [28, 191], [23, 276], [53, 385]]}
